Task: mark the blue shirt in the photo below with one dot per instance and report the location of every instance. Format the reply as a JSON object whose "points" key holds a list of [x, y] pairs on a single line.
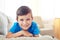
{"points": [[33, 29]]}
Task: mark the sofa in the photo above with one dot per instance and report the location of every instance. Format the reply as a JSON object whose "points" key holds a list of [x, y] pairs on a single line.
{"points": [[45, 26], [5, 23]]}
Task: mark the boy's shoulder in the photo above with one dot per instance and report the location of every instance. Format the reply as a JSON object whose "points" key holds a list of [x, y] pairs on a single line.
{"points": [[15, 22], [33, 22]]}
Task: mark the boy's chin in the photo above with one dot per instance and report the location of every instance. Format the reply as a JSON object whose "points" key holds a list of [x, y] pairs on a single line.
{"points": [[25, 29]]}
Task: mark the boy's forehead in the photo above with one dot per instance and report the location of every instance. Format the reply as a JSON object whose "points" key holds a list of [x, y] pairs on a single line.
{"points": [[25, 16]]}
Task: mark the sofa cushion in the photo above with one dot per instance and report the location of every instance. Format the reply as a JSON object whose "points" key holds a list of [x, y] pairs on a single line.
{"points": [[3, 23], [39, 21]]}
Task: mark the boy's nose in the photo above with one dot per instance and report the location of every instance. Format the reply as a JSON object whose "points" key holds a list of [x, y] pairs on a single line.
{"points": [[24, 22]]}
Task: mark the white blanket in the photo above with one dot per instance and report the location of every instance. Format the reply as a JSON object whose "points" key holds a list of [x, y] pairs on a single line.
{"points": [[46, 37]]}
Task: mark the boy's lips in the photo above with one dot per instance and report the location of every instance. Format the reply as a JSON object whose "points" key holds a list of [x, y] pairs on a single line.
{"points": [[26, 26]]}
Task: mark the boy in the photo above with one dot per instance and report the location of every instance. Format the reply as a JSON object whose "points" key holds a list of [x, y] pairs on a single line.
{"points": [[24, 25]]}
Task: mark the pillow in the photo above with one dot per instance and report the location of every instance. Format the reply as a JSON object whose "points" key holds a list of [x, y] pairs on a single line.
{"points": [[10, 22], [3, 23], [1, 26], [38, 21]]}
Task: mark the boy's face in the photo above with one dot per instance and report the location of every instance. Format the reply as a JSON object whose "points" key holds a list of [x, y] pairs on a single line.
{"points": [[25, 21]]}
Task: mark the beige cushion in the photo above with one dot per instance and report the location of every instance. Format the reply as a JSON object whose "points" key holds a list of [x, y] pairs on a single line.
{"points": [[39, 21]]}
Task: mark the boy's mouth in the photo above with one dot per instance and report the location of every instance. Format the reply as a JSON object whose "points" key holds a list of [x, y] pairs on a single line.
{"points": [[25, 27]]}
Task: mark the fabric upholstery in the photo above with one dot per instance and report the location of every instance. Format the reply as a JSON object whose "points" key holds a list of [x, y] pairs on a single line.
{"points": [[39, 21], [3, 23]]}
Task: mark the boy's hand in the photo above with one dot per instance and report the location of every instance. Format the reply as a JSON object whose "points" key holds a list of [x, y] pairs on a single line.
{"points": [[10, 35], [20, 33], [27, 34]]}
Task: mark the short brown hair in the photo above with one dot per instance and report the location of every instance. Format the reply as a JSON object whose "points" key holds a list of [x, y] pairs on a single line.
{"points": [[23, 10]]}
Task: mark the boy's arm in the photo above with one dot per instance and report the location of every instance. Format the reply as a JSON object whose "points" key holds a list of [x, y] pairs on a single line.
{"points": [[24, 33], [27, 34], [10, 35]]}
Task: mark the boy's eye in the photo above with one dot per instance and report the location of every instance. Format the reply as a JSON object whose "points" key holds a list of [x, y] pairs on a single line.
{"points": [[21, 19], [27, 19]]}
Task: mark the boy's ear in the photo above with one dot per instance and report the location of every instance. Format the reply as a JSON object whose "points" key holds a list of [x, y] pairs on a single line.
{"points": [[32, 18]]}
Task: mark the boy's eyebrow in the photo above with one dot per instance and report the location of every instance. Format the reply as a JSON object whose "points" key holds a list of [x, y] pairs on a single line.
{"points": [[28, 19]]}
